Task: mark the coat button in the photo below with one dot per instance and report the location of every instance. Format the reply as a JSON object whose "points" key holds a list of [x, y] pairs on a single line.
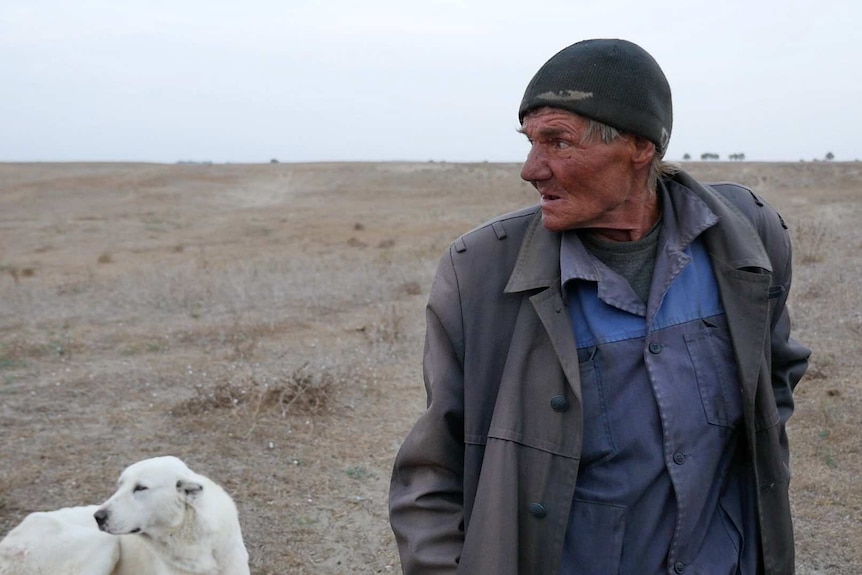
{"points": [[559, 403], [679, 458], [537, 510], [655, 348], [679, 567]]}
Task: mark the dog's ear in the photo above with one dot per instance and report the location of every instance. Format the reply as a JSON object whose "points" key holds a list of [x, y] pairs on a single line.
{"points": [[190, 488]]}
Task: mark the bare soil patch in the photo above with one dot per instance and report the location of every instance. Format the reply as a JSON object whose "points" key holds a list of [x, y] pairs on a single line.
{"points": [[265, 323]]}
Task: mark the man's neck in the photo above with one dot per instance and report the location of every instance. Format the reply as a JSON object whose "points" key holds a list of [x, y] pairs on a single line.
{"points": [[644, 218]]}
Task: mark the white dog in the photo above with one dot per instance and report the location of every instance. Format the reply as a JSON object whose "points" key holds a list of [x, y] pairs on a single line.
{"points": [[65, 542], [164, 519]]}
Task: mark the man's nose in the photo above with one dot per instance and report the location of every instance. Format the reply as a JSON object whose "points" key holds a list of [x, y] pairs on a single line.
{"points": [[535, 168]]}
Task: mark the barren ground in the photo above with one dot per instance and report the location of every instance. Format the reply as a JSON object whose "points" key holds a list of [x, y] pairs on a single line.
{"points": [[265, 322]]}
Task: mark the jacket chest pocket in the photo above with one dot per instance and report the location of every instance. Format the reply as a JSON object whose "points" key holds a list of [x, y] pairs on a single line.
{"points": [[598, 443], [711, 354]]}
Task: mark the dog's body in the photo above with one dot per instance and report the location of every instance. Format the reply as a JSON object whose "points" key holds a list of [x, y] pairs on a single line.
{"points": [[65, 541], [164, 519]]}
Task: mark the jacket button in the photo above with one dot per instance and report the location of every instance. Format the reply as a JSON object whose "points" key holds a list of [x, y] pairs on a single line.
{"points": [[537, 510], [655, 348], [559, 403], [679, 458], [679, 567]]}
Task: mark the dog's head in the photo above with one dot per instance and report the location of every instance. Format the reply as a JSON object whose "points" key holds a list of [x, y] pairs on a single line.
{"points": [[152, 497]]}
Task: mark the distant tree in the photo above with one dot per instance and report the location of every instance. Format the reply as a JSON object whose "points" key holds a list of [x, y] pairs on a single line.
{"points": [[709, 156], [686, 157], [738, 157], [830, 156], [273, 161]]}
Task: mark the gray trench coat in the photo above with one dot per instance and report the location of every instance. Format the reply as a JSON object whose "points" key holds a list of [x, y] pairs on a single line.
{"points": [[483, 483]]}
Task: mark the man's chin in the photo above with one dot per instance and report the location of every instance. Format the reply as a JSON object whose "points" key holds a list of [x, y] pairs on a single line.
{"points": [[552, 224]]}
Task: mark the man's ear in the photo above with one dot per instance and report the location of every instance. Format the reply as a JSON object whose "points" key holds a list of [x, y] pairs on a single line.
{"points": [[189, 488], [643, 151]]}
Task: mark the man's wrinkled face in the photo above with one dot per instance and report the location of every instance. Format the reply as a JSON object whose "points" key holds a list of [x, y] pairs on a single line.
{"points": [[582, 184]]}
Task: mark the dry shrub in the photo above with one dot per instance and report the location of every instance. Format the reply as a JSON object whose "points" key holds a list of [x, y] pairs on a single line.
{"points": [[15, 352], [17, 273], [411, 288], [811, 237], [13, 356], [300, 392], [308, 393], [388, 328], [222, 395]]}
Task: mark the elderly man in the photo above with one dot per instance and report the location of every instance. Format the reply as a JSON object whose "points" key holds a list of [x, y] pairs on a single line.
{"points": [[609, 373]]}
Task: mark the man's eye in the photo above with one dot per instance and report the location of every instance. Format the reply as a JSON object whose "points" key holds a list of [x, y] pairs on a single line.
{"points": [[561, 144], [139, 488]]}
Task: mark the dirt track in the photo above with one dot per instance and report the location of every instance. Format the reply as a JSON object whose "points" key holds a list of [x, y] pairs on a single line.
{"points": [[264, 323]]}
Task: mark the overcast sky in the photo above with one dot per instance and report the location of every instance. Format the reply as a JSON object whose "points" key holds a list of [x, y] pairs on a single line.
{"points": [[295, 80]]}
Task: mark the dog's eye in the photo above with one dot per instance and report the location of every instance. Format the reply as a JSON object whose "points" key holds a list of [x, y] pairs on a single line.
{"points": [[139, 488]]}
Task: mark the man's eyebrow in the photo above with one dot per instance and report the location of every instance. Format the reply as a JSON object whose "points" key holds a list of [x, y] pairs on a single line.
{"points": [[547, 133]]}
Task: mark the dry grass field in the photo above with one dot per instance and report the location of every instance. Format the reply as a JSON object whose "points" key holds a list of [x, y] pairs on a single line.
{"points": [[265, 323]]}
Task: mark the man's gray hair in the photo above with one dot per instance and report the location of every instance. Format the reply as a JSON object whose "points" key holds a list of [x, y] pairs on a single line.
{"points": [[659, 167]]}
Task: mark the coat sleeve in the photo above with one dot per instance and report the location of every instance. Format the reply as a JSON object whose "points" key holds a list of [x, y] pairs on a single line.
{"points": [[426, 497], [789, 358]]}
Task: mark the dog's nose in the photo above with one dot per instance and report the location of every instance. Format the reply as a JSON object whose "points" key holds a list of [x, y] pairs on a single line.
{"points": [[101, 516]]}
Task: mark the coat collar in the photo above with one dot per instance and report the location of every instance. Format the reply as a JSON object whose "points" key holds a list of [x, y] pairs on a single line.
{"points": [[735, 243], [538, 263]]}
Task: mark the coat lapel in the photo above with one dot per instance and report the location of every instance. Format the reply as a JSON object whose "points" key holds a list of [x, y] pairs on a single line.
{"points": [[538, 268]]}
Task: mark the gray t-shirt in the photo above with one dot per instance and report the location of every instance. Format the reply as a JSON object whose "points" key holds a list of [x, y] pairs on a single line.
{"points": [[634, 261]]}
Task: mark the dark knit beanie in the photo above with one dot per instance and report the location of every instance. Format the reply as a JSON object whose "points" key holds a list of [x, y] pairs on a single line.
{"points": [[614, 82]]}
